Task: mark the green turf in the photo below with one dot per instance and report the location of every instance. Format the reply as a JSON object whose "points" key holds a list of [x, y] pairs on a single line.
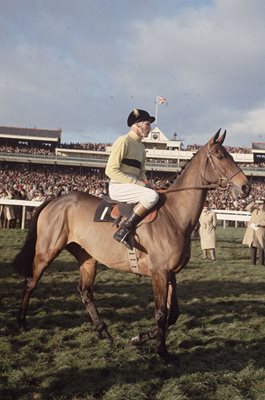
{"points": [[219, 336]]}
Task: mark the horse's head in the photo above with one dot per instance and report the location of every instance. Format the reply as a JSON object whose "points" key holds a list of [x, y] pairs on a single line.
{"points": [[222, 169]]}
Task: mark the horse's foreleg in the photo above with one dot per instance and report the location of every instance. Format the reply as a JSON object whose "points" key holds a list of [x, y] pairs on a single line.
{"points": [[87, 278], [172, 302], [173, 314], [160, 282]]}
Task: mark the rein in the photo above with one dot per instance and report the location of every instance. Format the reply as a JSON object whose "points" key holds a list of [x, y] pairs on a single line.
{"points": [[209, 186], [203, 187]]}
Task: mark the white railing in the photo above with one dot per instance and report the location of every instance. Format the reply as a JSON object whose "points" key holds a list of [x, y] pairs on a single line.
{"points": [[232, 215], [23, 204], [222, 215]]}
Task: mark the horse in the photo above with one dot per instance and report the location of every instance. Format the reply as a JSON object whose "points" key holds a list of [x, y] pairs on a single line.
{"points": [[162, 247]]}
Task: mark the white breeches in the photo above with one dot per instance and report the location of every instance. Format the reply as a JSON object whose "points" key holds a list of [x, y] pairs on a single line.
{"points": [[132, 193]]}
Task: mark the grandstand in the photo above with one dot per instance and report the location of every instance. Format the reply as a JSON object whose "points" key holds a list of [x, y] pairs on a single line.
{"points": [[30, 137], [164, 156]]}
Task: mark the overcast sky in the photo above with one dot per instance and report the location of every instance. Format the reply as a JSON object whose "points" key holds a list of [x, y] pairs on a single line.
{"points": [[83, 65]]}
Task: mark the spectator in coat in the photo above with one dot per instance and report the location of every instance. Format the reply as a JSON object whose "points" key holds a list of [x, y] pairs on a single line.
{"points": [[255, 234], [8, 214], [208, 222]]}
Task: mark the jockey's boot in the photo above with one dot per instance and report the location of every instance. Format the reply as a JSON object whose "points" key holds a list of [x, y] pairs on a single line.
{"points": [[253, 255], [212, 254], [261, 257], [204, 254], [129, 224]]}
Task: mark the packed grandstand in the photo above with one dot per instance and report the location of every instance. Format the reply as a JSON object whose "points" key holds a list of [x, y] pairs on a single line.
{"points": [[35, 164]]}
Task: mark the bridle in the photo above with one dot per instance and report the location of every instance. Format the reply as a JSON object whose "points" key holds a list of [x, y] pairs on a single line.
{"points": [[221, 178], [210, 186]]}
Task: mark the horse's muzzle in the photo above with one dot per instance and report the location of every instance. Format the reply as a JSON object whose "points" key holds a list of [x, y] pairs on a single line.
{"points": [[241, 191]]}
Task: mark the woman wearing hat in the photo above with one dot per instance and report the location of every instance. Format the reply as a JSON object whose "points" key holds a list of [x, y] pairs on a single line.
{"points": [[208, 222], [255, 233], [126, 170]]}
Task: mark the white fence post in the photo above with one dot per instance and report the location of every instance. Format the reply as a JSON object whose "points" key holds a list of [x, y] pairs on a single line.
{"points": [[24, 204]]}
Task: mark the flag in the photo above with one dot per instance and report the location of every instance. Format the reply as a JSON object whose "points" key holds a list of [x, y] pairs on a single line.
{"points": [[161, 100]]}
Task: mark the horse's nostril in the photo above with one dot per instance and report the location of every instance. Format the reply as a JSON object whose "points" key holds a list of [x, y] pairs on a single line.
{"points": [[246, 189]]}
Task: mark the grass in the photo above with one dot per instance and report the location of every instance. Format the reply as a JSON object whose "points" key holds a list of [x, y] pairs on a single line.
{"points": [[219, 337]]}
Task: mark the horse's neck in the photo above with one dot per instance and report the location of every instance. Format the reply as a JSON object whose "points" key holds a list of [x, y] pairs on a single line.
{"points": [[186, 205]]}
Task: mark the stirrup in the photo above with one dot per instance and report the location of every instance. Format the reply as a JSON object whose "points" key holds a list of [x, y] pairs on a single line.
{"points": [[127, 244], [123, 240]]}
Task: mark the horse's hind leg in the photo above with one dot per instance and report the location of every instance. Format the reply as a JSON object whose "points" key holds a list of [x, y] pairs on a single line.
{"points": [[87, 278], [40, 263], [88, 270]]}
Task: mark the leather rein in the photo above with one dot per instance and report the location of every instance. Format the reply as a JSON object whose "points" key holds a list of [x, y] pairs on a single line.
{"points": [[209, 157]]}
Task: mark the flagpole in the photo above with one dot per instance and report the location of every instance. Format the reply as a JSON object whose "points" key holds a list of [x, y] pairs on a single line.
{"points": [[156, 102]]}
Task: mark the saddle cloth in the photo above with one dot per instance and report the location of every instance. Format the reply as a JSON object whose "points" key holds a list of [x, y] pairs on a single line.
{"points": [[110, 210]]}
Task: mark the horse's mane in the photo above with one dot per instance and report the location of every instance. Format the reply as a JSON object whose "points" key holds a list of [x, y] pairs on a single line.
{"points": [[178, 176]]}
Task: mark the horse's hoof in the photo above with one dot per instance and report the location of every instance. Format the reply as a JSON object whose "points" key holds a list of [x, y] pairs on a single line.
{"points": [[171, 360], [173, 363], [135, 341], [104, 335], [22, 327]]}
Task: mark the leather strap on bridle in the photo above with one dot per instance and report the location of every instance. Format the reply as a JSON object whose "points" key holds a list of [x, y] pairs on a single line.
{"points": [[221, 178], [208, 186]]}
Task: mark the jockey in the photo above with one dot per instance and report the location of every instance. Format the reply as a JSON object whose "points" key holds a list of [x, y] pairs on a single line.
{"points": [[126, 170]]}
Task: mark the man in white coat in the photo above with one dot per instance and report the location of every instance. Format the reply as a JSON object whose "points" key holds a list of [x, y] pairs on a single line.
{"points": [[208, 223], [255, 234]]}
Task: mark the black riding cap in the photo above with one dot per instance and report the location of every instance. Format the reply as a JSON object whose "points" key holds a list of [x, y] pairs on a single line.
{"points": [[138, 116]]}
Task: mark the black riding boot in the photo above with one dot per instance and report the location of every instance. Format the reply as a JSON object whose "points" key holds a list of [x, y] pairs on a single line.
{"points": [[253, 255], [129, 224], [261, 257]]}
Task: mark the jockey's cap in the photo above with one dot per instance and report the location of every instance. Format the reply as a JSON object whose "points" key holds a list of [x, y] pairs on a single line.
{"points": [[138, 116]]}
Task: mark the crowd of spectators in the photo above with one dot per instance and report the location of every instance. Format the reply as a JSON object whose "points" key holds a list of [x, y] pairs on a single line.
{"points": [[26, 184], [230, 149], [40, 151], [253, 165], [38, 183], [97, 147], [85, 146]]}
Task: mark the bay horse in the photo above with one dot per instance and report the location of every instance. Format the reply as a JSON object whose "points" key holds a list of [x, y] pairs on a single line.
{"points": [[162, 246]]}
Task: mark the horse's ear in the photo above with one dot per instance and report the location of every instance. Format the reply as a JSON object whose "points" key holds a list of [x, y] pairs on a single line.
{"points": [[215, 137], [222, 138]]}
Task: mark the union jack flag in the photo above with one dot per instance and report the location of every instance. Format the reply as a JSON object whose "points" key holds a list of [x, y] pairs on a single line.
{"points": [[161, 100]]}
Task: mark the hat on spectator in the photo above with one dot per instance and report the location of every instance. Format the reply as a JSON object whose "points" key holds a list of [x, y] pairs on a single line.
{"points": [[138, 116], [260, 201]]}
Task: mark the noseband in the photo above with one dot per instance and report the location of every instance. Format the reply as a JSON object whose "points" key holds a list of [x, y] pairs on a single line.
{"points": [[221, 179]]}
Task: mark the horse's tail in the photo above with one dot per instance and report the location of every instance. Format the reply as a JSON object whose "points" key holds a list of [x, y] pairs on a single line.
{"points": [[23, 261]]}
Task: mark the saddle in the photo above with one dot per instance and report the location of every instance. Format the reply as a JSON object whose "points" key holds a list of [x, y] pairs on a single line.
{"points": [[110, 210]]}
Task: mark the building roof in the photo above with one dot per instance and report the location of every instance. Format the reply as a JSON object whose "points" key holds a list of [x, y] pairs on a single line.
{"points": [[156, 136], [258, 146], [30, 133]]}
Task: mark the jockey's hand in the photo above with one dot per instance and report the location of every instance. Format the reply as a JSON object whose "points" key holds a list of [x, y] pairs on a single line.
{"points": [[150, 185]]}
